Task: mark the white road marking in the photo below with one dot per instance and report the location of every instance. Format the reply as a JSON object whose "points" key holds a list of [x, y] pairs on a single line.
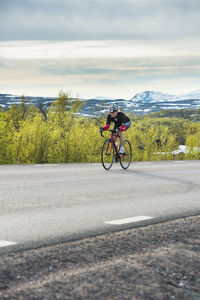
{"points": [[128, 220], [6, 243]]}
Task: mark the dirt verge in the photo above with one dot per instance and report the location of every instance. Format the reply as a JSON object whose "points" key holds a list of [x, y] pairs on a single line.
{"points": [[155, 262]]}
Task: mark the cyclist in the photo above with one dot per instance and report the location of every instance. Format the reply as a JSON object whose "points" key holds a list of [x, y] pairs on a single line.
{"points": [[121, 123]]}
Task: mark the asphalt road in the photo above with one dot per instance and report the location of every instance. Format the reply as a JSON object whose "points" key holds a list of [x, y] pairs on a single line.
{"points": [[45, 204]]}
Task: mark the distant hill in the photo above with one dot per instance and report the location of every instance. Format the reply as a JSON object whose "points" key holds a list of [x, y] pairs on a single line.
{"points": [[155, 97], [140, 104]]}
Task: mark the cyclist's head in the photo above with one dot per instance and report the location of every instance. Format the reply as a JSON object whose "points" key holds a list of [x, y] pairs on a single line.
{"points": [[113, 108]]}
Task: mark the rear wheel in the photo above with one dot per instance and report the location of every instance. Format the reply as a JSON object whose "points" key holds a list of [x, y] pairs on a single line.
{"points": [[107, 154], [125, 159]]}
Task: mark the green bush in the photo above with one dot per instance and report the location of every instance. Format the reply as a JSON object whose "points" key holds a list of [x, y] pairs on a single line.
{"points": [[60, 135]]}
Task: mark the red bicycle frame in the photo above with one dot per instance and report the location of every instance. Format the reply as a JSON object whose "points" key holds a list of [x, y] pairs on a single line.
{"points": [[113, 133]]}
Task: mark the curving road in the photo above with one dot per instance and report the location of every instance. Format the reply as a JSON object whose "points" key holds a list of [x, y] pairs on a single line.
{"points": [[44, 204]]}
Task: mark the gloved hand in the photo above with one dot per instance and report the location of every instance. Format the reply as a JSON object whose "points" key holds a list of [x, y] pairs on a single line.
{"points": [[101, 129]]}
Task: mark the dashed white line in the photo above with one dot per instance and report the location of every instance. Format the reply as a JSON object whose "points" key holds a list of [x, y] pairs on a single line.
{"points": [[6, 243], [128, 220]]}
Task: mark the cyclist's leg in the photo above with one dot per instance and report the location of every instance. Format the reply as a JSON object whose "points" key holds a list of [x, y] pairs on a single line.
{"points": [[114, 136], [122, 136], [116, 143]]}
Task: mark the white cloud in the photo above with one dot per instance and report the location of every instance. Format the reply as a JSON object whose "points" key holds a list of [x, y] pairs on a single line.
{"points": [[91, 76], [99, 19], [97, 49], [94, 47]]}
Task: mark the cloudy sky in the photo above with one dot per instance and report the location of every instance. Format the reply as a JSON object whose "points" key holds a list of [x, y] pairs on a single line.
{"points": [[113, 48]]}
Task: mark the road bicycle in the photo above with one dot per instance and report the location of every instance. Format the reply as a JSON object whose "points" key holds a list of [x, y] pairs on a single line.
{"points": [[110, 152]]}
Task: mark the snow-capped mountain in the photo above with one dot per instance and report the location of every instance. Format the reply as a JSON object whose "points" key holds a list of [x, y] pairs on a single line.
{"points": [[155, 97], [140, 104]]}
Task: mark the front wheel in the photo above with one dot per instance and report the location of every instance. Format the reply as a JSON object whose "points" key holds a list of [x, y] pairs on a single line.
{"points": [[107, 154], [125, 159]]}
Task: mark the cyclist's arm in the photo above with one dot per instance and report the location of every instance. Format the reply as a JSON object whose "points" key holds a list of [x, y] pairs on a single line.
{"points": [[108, 121], [124, 122], [122, 128], [106, 127]]}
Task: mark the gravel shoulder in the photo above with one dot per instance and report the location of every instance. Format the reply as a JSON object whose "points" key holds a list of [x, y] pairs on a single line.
{"points": [[159, 261]]}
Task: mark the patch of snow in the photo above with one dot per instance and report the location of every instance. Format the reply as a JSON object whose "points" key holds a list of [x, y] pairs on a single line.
{"points": [[103, 98], [181, 149]]}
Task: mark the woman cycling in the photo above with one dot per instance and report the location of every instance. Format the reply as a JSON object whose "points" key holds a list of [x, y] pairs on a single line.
{"points": [[121, 123]]}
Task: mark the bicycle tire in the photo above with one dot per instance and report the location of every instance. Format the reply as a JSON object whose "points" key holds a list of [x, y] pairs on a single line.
{"points": [[125, 159], [107, 154]]}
